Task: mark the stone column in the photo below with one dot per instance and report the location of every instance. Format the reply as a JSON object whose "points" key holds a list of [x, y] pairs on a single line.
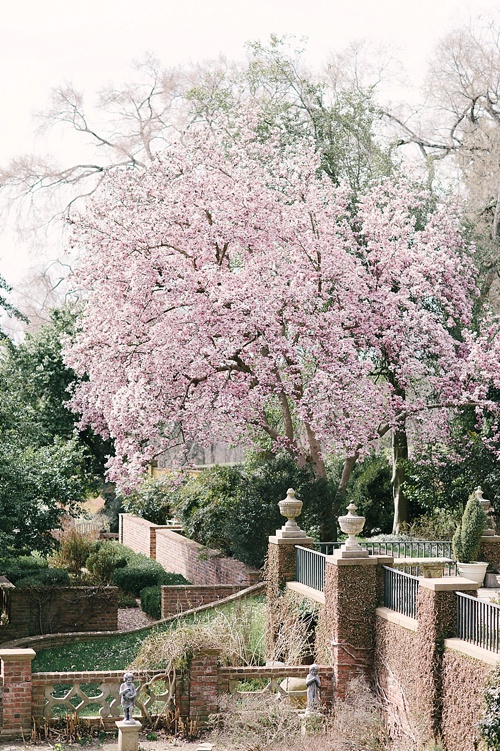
{"points": [[437, 614], [16, 679]]}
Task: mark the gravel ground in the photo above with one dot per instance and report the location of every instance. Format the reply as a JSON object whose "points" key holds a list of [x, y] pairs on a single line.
{"points": [[130, 618], [164, 743]]}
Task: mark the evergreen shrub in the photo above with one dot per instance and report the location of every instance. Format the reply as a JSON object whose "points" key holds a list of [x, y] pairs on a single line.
{"points": [[151, 601], [467, 537], [21, 567], [133, 578], [103, 560], [49, 577]]}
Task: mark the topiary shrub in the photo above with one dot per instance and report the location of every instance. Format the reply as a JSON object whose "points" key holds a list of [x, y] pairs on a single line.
{"points": [[102, 561], [467, 537], [134, 578], [49, 577], [151, 601]]}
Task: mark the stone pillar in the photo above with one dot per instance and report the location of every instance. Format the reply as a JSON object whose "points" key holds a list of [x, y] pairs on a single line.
{"points": [[489, 551], [128, 735], [16, 680], [437, 613], [350, 602], [203, 696], [281, 560]]}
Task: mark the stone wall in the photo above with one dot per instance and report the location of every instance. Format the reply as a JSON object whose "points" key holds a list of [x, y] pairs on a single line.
{"points": [[463, 680], [47, 610], [429, 689]]}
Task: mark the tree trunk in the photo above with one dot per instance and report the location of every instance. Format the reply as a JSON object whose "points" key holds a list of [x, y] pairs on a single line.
{"points": [[399, 458]]}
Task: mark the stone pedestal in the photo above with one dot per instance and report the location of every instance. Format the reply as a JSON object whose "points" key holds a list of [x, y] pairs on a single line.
{"points": [[128, 735]]}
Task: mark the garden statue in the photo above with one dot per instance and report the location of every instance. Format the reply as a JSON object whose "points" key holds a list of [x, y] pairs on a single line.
{"points": [[128, 693], [313, 682]]}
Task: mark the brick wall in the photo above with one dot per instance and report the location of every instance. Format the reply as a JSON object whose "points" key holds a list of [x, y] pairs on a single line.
{"points": [[135, 533], [177, 554], [178, 598], [59, 610], [197, 688]]}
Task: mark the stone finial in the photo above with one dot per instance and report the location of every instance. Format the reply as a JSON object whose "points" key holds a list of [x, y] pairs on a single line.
{"points": [[351, 525], [488, 510], [290, 507]]}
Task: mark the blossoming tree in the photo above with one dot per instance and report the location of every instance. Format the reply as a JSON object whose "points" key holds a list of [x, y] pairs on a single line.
{"points": [[233, 293]]}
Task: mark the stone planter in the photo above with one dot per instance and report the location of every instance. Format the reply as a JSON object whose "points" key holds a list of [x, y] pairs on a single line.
{"points": [[475, 571]]}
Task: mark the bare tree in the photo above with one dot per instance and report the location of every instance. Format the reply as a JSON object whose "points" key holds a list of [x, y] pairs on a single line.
{"points": [[462, 126]]}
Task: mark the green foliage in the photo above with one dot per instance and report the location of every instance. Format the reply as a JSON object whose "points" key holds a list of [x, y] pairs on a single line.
{"points": [[370, 489], [6, 306], [127, 601], [49, 577], [74, 549], [21, 567], [151, 601], [448, 473], [45, 465], [152, 500], [103, 559], [141, 572], [467, 537], [289, 101], [132, 579], [489, 725], [235, 509], [40, 480], [439, 524]]}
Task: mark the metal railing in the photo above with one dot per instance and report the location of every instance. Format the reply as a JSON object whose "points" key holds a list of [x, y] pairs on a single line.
{"points": [[400, 592], [478, 622], [399, 549], [310, 567]]}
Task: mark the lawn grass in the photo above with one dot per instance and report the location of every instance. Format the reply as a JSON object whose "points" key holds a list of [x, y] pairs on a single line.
{"points": [[113, 652]]}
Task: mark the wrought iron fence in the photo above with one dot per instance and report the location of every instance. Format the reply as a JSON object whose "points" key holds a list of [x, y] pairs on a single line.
{"points": [[400, 592], [478, 622], [310, 567], [398, 548]]}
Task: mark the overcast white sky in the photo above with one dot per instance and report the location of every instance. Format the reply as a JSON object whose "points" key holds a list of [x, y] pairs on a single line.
{"points": [[46, 42]]}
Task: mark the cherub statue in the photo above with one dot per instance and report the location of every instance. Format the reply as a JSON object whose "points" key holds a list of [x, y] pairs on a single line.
{"points": [[313, 682], [128, 693]]}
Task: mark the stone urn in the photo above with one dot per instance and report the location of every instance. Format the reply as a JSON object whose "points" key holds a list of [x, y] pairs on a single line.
{"points": [[351, 525], [290, 507], [488, 510]]}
